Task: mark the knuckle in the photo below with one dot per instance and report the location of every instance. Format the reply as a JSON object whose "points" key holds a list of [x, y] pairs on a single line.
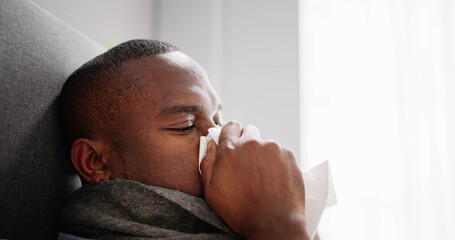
{"points": [[288, 152], [252, 144], [228, 149], [273, 145], [233, 123], [289, 156]]}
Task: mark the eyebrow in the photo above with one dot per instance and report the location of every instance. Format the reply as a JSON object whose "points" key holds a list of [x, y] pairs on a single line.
{"points": [[179, 109]]}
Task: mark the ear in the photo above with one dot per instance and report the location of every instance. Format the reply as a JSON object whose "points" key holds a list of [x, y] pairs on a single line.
{"points": [[89, 159]]}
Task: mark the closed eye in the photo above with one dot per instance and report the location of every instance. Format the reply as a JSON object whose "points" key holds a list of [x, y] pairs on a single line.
{"points": [[185, 130]]}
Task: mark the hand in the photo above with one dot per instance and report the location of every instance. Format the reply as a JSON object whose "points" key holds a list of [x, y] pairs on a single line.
{"points": [[254, 185]]}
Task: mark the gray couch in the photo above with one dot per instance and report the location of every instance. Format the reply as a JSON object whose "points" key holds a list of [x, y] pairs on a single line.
{"points": [[37, 53]]}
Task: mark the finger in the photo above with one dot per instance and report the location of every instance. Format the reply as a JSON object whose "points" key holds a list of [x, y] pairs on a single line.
{"points": [[231, 131], [207, 164], [250, 132]]}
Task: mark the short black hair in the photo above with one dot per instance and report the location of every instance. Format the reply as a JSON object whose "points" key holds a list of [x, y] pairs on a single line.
{"points": [[89, 101]]}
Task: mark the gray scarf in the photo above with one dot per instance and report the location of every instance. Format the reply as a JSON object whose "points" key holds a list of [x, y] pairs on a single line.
{"points": [[124, 209]]}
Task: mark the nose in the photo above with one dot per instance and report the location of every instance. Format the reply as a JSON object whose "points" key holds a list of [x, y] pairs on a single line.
{"points": [[205, 127]]}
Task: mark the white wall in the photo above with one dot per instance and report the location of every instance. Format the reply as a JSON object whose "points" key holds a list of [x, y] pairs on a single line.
{"points": [[249, 50], [108, 22]]}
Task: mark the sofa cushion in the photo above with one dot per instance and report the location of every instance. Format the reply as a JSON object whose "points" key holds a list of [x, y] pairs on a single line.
{"points": [[37, 54]]}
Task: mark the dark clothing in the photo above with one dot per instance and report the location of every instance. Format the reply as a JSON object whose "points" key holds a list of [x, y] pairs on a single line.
{"points": [[124, 209]]}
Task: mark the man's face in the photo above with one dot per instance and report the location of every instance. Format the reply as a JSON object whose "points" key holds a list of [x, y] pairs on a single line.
{"points": [[161, 132]]}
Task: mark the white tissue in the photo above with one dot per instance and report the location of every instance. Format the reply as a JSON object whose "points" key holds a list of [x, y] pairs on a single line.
{"points": [[214, 134], [319, 194], [319, 190]]}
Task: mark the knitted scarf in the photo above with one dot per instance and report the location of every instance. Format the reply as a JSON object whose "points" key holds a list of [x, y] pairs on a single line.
{"points": [[124, 209]]}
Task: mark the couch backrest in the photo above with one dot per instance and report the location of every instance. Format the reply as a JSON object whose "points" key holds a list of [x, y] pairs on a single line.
{"points": [[37, 54]]}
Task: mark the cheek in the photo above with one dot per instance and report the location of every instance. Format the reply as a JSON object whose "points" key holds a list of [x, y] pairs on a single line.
{"points": [[181, 155], [181, 170], [170, 163]]}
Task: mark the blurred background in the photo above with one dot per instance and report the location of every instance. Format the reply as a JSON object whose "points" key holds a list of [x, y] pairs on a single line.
{"points": [[369, 85]]}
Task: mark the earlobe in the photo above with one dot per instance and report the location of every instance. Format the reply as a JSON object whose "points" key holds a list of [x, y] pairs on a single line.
{"points": [[87, 157]]}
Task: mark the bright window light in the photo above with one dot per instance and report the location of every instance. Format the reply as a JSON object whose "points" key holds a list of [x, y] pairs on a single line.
{"points": [[378, 101]]}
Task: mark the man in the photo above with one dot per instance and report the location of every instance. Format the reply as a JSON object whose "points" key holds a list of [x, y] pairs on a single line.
{"points": [[136, 113]]}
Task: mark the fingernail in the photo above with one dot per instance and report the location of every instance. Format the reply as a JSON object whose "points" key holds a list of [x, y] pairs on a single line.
{"points": [[210, 144]]}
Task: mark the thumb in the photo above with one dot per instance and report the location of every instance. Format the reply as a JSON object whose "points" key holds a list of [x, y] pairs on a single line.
{"points": [[207, 164]]}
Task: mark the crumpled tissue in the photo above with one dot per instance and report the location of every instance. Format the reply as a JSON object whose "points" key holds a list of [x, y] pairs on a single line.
{"points": [[319, 189]]}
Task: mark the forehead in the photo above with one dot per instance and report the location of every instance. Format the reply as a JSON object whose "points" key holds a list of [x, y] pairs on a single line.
{"points": [[170, 79]]}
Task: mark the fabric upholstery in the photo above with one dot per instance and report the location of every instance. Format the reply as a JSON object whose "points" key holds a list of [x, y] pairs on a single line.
{"points": [[37, 54]]}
